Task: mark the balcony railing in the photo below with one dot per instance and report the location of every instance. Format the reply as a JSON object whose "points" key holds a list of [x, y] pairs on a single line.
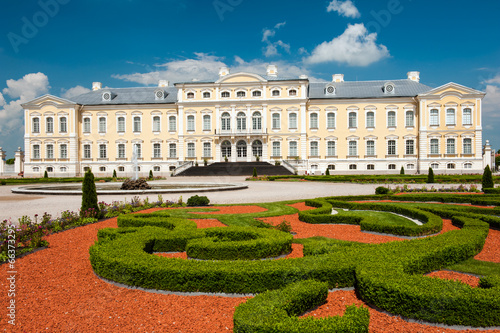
{"points": [[240, 132]]}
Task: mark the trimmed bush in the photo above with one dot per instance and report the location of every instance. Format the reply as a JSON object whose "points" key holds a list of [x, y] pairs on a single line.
{"points": [[89, 193], [402, 171], [254, 174], [150, 174], [3, 182], [327, 172], [196, 200], [487, 180], [114, 173], [45, 174], [430, 176], [278, 311], [381, 190]]}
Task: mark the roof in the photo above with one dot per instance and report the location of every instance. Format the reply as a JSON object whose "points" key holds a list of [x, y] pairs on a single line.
{"points": [[367, 89], [142, 95], [265, 77]]}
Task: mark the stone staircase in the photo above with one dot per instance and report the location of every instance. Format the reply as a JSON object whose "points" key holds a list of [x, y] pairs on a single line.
{"points": [[235, 169]]}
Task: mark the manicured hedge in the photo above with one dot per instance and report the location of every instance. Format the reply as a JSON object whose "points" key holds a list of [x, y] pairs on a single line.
{"points": [[240, 243], [492, 190], [278, 311]]}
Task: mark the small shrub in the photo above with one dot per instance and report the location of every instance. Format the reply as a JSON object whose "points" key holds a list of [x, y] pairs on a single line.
{"points": [[381, 190], [327, 172], [430, 176], [257, 158], [254, 173], [3, 182], [196, 164], [402, 171], [89, 193], [277, 163], [226, 159], [196, 200], [45, 174], [205, 162], [150, 174], [487, 181], [284, 226], [114, 173]]}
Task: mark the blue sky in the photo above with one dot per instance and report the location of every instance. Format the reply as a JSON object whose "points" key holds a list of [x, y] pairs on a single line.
{"points": [[61, 46]]}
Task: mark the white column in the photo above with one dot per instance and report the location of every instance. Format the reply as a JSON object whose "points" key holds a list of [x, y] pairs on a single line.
{"points": [[19, 161], [180, 131], [2, 161], [303, 131], [249, 152], [487, 155], [264, 118]]}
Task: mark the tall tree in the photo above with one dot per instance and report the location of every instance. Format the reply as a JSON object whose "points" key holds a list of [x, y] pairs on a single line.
{"points": [[89, 193], [487, 180]]}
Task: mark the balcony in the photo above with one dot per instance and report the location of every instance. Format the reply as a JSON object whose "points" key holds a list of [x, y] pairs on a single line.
{"points": [[241, 132]]}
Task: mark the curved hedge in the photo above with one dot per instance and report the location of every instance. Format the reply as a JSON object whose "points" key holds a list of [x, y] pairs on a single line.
{"points": [[386, 275], [277, 311]]}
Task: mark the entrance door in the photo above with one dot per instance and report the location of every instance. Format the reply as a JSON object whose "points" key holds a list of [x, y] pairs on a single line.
{"points": [[241, 150], [256, 149], [225, 149]]}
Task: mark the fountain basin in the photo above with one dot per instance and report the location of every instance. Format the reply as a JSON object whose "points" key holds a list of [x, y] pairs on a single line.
{"points": [[114, 188]]}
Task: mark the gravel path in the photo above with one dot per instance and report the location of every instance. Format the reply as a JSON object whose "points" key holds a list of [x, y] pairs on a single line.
{"points": [[16, 205]]}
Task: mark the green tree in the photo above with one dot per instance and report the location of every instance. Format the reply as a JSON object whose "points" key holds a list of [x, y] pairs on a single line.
{"points": [[254, 172], [402, 171], [45, 174], [89, 193], [487, 180], [327, 172], [150, 174], [430, 176], [10, 161], [114, 173]]}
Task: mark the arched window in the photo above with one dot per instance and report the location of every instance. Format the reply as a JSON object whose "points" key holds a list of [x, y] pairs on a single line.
{"points": [[190, 123], [225, 149], [434, 166], [391, 119], [392, 167], [370, 167], [207, 123], [86, 125], [292, 92], [467, 146], [330, 120], [276, 121], [370, 119], [276, 149], [257, 148], [225, 94], [450, 116], [353, 120], [121, 124], [63, 124], [226, 121], [450, 146], [313, 120], [256, 121], [410, 119], [241, 94], [257, 93], [50, 125], [370, 148], [314, 148], [241, 148], [102, 125], [172, 124], [292, 120], [467, 117], [450, 166], [190, 95], [36, 125], [241, 121], [292, 146], [137, 124], [467, 165], [276, 92], [206, 94], [156, 124]]}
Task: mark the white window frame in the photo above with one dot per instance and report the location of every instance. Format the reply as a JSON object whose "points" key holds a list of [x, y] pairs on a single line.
{"points": [[314, 123], [256, 121], [464, 122], [354, 122], [368, 118], [276, 120], [352, 148], [207, 125], [292, 124], [451, 120], [120, 123], [257, 91], [331, 120], [224, 92], [241, 121], [392, 121], [101, 150], [451, 143], [85, 156], [35, 125], [314, 148], [391, 148], [408, 147], [293, 148], [191, 149], [368, 148], [469, 145], [36, 151], [431, 146], [412, 118], [137, 123], [119, 150], [49, 125], [63, 126], [63, 151], [49, 151], [331, 148], [225, 121], [434, 120], [190, 123], [172, 125], [156, 150], [139, 148], [87, 124], [172, 150], [207, 149], [102, 125], [156, 121], [276, 149]]}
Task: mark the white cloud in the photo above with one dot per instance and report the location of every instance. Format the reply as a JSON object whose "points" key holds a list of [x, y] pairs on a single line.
{"points": [[495, 80], [2, 100], [302, 50], [29, 87], [344, 8], [271, 49], [355, 47], [75, 91]]}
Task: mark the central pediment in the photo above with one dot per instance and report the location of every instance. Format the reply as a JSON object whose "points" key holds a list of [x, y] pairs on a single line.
{"points": [[241, 78]]}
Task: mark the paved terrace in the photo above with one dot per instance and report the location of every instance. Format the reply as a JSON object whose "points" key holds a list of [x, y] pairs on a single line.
{"points": [[16, 205]]}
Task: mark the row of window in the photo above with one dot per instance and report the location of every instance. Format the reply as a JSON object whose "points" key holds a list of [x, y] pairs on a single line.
{"points": [[242, 93], [49, 125], [410, 166], [450, 119]]}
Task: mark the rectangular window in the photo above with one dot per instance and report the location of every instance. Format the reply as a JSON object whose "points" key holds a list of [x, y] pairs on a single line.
{"points": [[121, 150], [206, 123], [36, 125], [467, 117], [391, 119], [190, 123], [330, 120], [450, 146], [330, 150], [102, 151], [156, 150], [434, 146], [137, 124], [370, 119], [138, 150], [50, 151], [434, 117], [86, 125], [450, 117], [467, 146], [276, 121], [102, 125], [410, 147], [86, 151], [191, 150], [391, 147], [172, 150], [276, 149], [314, 120], [353, 148], [370, 148], [314, 149], [293, 148], [292, 120], [207, 149], [50, 125], [63, 150], [410, 121], [352, 120], [156, 124], [172, 124], [36, 151]]}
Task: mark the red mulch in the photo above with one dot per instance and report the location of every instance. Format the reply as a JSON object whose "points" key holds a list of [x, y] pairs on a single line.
{"points": [[439, 203], [57, 291], [234, 210], [208, 223], [491, 249], [471, 280]]}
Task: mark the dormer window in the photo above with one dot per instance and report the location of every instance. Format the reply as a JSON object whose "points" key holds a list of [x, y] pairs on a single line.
{"points": [[159, 95], [206, 94], [240, 94], [106, 96], [330, 89], [276, 92], [292, 92], [225, 94], [389, 88], [257, 93], [190, 95]]}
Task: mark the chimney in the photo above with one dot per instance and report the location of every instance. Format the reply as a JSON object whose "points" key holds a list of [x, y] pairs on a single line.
{"points": [[223, 71], [303, 77], [272, 70], [96, 86], [162, 83], [338, 78], [414, 76]]}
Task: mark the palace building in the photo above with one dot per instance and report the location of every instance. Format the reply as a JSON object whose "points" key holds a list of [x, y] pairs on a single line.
{"points": [[364, 127]]}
